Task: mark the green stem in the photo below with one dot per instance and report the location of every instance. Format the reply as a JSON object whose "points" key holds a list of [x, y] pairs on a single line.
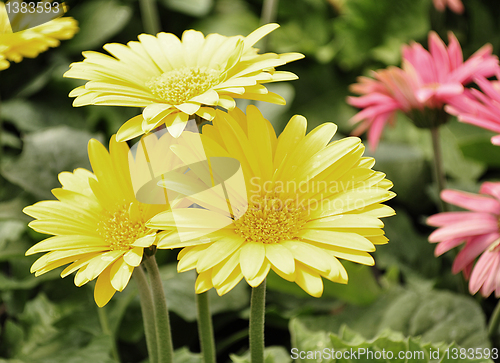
{"points": [[205, 329], [163, 334], [268, 15], [148, 313], [103, 319], [439, 175], [494, 323], [256, 329], [149, 14]]}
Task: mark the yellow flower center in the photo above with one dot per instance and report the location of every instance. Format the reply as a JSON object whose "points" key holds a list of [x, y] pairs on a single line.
{"points": [[271, 219], [180, 85], [119, 230]]}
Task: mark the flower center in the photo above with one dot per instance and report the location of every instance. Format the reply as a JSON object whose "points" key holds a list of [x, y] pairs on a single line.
{"points": [[271, 219], [119, 230], [179, 85]]}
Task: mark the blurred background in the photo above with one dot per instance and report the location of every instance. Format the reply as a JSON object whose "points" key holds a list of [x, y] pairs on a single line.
{"points": [[49, 320]]}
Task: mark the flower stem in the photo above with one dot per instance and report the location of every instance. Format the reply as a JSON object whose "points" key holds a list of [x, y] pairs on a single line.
{"points": [[103, 319], [163, 334], [494, 323], [149, 15], [205, 329], [256, 329], [439, 175], [148, 313], [268, 15]]}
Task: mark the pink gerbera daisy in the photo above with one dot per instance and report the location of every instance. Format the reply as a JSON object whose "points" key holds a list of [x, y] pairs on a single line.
{"points": [[478, 228], [426, 82]]}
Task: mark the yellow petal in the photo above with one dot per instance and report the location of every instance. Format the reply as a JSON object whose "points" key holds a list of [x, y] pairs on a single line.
{"points": [[346, 221], [218, 252], [81, 277], [145, 241], [258, 34], [258, 135], [309, 281], [376, 210], [176, 122], [203, 282], [83, 261], [101, 262], [251, 259], [206, 113], [103, 291], [133, 257], [308, 254], [261, 275], [342, 239], [67, 243], [293, 133], [120, 274], [230, 282], [224, 269], [188, 107], [189, 259], [280, 257]]}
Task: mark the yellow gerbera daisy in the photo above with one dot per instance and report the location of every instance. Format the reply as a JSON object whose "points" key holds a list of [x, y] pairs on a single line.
{"points": [[308, 203], [33, 41], [99, 226], [175, 79]]}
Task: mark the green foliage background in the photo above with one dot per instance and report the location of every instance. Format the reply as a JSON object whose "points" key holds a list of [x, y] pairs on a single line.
{"points": [[408, 293]]}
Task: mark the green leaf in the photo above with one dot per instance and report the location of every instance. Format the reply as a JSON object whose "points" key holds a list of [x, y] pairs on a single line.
{"points": [[349, 346], [271, 355], [12, 209], [52, 333], [45, 155], [452, 134], [406, 166], [436, 316], [230, 17], [481, 149], [180, 294], [30, 116], [196, 8], [99, 21], [376, 29], [362, 288], [407, 249]]}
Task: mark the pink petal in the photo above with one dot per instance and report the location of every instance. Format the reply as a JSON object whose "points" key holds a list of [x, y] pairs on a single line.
{"points": [[439, 54], [490, 281], [456, 6], [473, 202], [447, 245], [424, 94], [491, 188], [488, 88], [449, 90], [464, 229], [481, 122], [481, 271], [442, 219], [422, 61], [454, 51], [375, 132], [440, 5], [472, 249], [467, 270]]}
